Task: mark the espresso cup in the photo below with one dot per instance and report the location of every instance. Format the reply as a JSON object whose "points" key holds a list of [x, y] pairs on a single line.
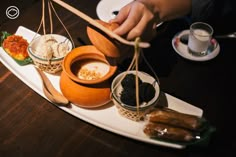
{"points": [[199, 38]]}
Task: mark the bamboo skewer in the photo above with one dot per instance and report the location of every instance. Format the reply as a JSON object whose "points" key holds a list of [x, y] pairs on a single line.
{"points": [[99, 26]]}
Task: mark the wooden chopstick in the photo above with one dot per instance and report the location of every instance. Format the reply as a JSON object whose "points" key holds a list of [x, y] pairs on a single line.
{"points": [[99, 26]]}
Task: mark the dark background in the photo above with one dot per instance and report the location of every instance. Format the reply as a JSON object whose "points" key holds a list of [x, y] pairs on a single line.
{"points": [[20, 4]]}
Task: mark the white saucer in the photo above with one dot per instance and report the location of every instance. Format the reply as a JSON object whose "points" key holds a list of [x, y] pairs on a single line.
{"points": [[105, 8], [182, 49]]}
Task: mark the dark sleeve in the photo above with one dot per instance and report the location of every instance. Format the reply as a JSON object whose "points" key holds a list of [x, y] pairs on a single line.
{"points": [[219, 13]]}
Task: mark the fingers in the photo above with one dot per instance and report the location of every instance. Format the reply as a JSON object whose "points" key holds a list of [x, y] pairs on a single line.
{"points": [[143, 27], [134, 19], [137, 30], [122, 15], [127, 19], [129, 26]]}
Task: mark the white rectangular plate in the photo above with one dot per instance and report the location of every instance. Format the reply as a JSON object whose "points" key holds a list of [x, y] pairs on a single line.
{"points": [[115, 123]]}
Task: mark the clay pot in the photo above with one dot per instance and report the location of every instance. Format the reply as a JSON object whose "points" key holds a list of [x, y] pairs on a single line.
{"points": [[72, 63], [83, 92], [86, 96]]}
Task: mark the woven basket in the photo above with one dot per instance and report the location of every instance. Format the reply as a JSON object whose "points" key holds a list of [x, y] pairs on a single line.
{"points": [[52, 65], [49, 66], [132, 115], [131, 112]]}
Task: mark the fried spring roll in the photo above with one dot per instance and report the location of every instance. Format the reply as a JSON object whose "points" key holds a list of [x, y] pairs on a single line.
{"points": [[167, 132], [175, 118]]}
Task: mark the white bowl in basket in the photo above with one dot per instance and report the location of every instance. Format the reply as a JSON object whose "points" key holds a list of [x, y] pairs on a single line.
{"points": [[53, 64], [128, 111]]}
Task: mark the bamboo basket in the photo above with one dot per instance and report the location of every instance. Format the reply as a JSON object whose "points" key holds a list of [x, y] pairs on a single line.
{"points": [[135, 113], [52, 65]]}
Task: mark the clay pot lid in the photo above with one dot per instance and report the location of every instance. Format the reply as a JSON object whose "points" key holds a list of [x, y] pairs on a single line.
{"points": [[104, 43]]}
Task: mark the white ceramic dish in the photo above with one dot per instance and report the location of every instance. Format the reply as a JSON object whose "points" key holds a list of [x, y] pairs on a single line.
{"points": [[115, 123], [182, 49], [105, 8]]}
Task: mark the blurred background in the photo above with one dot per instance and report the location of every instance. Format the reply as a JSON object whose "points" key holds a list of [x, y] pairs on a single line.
{"points": [[20, 4]]}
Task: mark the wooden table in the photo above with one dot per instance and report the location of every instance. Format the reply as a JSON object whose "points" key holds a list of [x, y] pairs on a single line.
{"points": [[31, 126]]}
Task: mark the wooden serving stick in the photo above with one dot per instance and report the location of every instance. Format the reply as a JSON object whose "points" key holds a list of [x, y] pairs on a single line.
{"points": [[99, 26]]}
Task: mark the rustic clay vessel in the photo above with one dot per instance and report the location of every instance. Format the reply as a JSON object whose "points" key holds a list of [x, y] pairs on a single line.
{"points": [[107, 45], [86, 96], [81, 92], [71, 63]]}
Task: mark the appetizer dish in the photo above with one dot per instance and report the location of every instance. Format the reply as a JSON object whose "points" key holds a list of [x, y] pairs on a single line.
{"points": [[124, 94], [16, 47], [128, 94], [92, 70], [170, 125], [47, 47], [48, 51], [159, 118]]}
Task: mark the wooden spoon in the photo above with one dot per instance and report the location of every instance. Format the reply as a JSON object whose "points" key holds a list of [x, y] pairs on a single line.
{"points": [[50, 92], [99, 26]]}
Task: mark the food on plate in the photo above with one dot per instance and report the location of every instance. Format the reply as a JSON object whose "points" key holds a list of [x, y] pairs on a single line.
{"points": [[48, 47], [167, 124], [146, 92], [16, 47], [128, 94], [129, 81], [168, 132], [175, 118]]}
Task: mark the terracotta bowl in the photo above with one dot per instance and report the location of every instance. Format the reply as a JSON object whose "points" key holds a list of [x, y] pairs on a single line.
{"points": [[86, 96], [74, 62], [79, 65]]}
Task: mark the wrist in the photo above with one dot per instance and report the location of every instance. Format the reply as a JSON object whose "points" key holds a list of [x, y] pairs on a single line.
{"points": [[152, 5], [166, 10]]}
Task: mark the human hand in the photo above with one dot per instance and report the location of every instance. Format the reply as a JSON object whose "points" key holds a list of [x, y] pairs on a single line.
{"points": [[140, 17], [136, 20]]}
